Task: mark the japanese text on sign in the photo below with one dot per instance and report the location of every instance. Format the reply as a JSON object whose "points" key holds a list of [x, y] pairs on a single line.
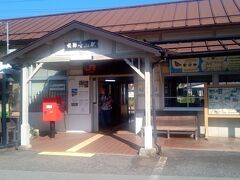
{"points": [[81, 44]]}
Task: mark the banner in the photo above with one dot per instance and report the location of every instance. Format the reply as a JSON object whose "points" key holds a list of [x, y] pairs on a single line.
{"points": [[205, 64]]}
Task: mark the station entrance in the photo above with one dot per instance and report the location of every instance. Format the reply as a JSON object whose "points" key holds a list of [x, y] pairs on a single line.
{"points": [[87, 53], [115, 103]]}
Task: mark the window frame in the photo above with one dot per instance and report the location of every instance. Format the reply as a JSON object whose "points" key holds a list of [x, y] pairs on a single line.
{"points": [[189, 108]]}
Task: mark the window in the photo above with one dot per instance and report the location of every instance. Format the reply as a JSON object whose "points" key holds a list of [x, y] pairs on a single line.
{"points": [[41, 89], [185, 91]]}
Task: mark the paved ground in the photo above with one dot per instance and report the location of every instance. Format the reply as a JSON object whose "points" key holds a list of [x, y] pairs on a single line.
{"points": [[24, 175], [113, 155], [127, 143], [124, 143], [183, 164]]}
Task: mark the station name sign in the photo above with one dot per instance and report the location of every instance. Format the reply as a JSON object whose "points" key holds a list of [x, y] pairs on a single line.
{"points": [[74, 45]]}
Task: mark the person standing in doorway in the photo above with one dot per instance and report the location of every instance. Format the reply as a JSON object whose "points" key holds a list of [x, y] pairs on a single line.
{"points": [[105, 108]]}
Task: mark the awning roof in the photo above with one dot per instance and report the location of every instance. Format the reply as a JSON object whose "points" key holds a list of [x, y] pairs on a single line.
{"points": [[227, 46]]}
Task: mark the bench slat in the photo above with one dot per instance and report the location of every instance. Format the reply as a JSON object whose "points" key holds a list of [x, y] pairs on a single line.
{"points": [[177, 123], [176, 128]]}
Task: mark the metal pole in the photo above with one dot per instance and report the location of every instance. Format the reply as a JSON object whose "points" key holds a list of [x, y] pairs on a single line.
{"points": [[4, 120], [52, 129], [7, 35], [7, 38]]}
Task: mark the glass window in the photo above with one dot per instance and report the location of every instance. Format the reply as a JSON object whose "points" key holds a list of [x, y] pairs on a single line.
{"points": [[41, 89], [185, 91]]}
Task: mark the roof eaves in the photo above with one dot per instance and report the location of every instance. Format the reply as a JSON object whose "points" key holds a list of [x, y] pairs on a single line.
{"points": [[75, 25], [174, 55]]}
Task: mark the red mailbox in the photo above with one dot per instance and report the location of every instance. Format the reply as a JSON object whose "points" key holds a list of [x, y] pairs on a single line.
{"points": [[52, 109]]}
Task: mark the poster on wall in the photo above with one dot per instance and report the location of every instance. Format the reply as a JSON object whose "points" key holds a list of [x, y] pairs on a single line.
{"points": [[224, 100], [205, 64], [78, 95]]}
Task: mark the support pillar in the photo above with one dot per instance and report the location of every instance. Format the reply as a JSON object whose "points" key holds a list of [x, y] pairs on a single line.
{"points": [[25, 127], [148, 127], [148, 149]]}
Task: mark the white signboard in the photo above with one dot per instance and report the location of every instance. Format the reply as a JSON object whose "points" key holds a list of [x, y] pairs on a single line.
{"points": [[78, 95], [57, 87]]}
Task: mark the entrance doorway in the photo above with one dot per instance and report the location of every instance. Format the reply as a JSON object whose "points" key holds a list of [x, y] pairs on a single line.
{"points": [[116, 103]]}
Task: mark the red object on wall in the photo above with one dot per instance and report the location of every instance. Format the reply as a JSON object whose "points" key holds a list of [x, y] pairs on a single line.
{"points": [[52, 109]]}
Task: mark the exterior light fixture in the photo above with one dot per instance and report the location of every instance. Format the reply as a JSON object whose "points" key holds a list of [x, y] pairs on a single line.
{"points": [[110, 80]]}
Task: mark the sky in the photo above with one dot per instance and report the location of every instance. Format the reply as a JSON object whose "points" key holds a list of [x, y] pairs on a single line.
{"points": [[25, 8]]}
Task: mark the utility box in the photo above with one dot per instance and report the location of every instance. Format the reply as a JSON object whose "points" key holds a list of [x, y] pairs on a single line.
{"points": [[52, 109]]}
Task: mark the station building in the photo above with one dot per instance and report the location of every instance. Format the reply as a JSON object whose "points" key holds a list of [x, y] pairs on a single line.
{"points": [[151, 57]]}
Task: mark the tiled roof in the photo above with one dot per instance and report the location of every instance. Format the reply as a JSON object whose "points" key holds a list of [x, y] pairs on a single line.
{"points": [[186, 48], [180, 14]]}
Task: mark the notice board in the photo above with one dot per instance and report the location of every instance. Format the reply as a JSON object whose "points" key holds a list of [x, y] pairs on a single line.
{"points": [[221, 101], [224, 100], [78, 95]]}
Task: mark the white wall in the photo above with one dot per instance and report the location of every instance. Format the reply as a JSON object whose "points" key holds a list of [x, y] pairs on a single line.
{"points": [[79, 123], [220, 127], [35, 121]]}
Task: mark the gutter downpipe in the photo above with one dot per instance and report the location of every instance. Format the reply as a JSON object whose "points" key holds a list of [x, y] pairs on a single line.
{"points": [[158, 146]]}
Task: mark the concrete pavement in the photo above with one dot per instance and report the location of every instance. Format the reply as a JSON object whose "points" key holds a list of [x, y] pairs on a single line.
{"points": [[175, 164], [38, 175]]}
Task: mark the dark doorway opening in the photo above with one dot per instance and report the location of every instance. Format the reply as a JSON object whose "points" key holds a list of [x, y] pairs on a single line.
{"points": [[120, 95]]}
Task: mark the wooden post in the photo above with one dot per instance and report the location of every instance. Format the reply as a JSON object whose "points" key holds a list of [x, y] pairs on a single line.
{"points": [[206, 110]]}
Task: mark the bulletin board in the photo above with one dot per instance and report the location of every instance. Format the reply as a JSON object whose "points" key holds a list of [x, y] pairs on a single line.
{"points": [[221, 101], [78, 95]]}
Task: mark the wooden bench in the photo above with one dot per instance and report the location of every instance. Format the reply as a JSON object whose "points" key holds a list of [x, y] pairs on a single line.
{"points": [[177, 124]]}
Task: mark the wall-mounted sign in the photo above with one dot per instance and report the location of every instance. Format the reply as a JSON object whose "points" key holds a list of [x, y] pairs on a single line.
{"points": [[90, 68], [78, 95], [57, 87], [165, 68], [221, 101], [81, 45], [224, 100], [108, 67], [205, 64]]}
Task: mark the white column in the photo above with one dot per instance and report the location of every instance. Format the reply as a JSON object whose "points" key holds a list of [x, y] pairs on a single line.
{"points": [[25, 127], [148, 141]]}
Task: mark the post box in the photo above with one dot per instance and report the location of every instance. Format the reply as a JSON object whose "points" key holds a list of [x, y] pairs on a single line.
{"points": [[52, 109]]}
